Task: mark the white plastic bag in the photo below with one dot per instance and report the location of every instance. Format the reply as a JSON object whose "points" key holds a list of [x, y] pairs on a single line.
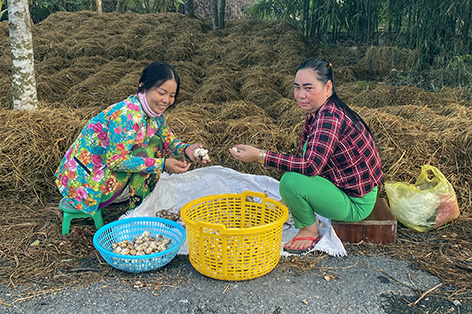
{"points": [[172, 192]]}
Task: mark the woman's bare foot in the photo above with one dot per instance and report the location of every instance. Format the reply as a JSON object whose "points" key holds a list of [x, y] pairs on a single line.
{"points": [[305, 232]]}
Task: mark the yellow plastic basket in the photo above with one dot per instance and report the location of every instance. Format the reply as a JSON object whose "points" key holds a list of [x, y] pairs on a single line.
{"points": [[234, 236]]}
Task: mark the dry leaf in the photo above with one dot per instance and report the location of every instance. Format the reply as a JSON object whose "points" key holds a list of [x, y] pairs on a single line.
{"points": [[35, 243]]}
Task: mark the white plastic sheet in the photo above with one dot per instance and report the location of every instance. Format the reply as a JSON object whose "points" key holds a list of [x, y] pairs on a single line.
{"points": [[172, 192]]}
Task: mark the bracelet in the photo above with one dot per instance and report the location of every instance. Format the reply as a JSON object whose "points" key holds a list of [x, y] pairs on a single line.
{"points": [[261, 156]]}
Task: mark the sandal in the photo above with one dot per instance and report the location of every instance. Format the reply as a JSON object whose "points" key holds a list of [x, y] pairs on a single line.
{"points": [[303, 251]]}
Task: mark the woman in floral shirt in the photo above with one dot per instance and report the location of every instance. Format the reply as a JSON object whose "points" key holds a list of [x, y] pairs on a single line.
{"points": [[337, 169], [126, 145]]}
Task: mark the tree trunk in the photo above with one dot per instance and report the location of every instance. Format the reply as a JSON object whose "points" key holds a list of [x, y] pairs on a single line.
{"points": [[99, 6], [221, 13], [306, 14], [214, 13], [189, 9], [21, 42], [218, 13]]}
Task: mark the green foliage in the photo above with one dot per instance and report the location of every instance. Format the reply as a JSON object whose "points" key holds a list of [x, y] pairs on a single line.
{"points": [[152, 6], [441, 30], [40, 9], [2, 12], [455, 71], [461, 61], [325, 20], [267, 10], [363, 84], [435, 27]]}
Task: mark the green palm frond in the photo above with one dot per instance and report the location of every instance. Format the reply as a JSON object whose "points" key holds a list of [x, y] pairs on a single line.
{"points": [[2, 11]]}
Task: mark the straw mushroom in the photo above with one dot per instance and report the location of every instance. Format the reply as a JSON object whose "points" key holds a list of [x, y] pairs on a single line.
{"points": [[164, 244], [201, 152], [142, 245]]}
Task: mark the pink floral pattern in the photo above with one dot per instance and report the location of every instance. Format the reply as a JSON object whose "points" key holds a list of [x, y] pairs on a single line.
{"points": [[103, 147]]}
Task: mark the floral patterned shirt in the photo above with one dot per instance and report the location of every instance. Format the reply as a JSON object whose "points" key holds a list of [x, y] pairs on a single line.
{"points": [[104, 146]]}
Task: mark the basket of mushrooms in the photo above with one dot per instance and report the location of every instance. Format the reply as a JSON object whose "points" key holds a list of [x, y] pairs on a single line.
{"points": [[139, 244]]}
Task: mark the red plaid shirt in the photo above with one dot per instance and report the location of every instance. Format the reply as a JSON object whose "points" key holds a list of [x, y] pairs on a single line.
{"points": [[335, 150]]}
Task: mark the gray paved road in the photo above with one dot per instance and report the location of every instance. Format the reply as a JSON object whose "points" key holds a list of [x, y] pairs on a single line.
{"points": [[352, 284]]}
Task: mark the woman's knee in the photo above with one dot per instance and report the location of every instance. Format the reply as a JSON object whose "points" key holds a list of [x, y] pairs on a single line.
{"points": [[288, 183], [154, 149], [142, 150]]}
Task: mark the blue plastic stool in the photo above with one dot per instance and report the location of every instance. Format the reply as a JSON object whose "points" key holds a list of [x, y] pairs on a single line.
{"points": [[71, 213]]}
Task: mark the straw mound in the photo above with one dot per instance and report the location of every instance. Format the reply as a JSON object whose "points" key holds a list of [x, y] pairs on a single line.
{"points": [[381, 60], [236, 88]]}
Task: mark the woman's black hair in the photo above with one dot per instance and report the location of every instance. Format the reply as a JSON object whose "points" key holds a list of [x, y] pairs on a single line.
{"points": [[324, 73], [156, 74]]}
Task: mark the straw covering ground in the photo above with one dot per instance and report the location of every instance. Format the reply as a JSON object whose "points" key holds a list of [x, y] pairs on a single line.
{"points": [[236, 88]]}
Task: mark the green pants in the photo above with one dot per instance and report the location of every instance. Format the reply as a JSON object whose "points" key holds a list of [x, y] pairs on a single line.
{"points": [[305, 196], [140, 184]]}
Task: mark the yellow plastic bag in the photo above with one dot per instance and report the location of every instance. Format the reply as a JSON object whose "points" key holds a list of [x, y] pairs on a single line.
{"points": [[425, 205]]}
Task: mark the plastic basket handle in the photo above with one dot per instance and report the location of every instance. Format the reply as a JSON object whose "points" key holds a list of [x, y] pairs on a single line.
{"points": [[222, 228], [214, 226], [256, 194]]}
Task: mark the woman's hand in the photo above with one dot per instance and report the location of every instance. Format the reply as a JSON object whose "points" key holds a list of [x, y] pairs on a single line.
{"points": [[245, 152], [176, 166], [190, 152]]}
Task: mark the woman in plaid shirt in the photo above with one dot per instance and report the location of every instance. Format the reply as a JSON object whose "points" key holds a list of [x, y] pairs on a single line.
{"points": [[337, 169]]}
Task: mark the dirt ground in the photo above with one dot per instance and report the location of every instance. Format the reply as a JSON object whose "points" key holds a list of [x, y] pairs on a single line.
{"points": [[236, 88]]}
